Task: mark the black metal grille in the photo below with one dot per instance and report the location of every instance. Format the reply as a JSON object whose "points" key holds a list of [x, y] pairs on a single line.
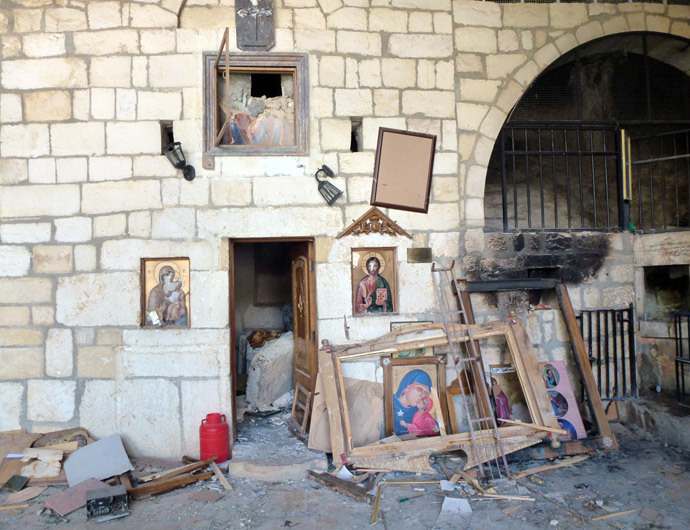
{"points": [[560, 177], [661, 181], [610, 340], [682, 335]]}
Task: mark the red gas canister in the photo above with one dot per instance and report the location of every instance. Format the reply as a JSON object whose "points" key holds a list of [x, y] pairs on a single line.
{"points": [[214, 437]]}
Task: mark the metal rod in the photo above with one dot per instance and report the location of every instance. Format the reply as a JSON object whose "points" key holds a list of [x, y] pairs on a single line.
{"points": [[594, 182], [529, 185], [606, 353], [606, 181], [675, 179], [555, 184], [627, 387], [661, 159], [599, 351], [651, 187], [504, 183], [663, 184], [541, 180], [579, 172], [567, 176]]}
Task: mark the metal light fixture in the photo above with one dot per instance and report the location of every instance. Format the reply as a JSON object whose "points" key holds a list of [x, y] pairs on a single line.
{"points": [[176, 157], [327, 190]]}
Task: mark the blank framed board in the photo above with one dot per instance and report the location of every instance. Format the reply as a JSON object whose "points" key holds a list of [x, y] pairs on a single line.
{"points": [[402, 174]]}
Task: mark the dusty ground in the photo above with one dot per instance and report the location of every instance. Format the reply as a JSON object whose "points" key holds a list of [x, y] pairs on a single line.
{"points": [[643, 474]]}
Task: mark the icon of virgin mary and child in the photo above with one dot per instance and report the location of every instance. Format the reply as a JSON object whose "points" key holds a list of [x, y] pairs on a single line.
{"points": [[412, 405]]}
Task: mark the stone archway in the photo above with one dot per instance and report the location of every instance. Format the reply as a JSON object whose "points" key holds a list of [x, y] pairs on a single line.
{"points": [[518, 71]]}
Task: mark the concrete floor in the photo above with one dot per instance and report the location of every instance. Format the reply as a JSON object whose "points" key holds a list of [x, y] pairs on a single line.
{"points": [[644, 475]]}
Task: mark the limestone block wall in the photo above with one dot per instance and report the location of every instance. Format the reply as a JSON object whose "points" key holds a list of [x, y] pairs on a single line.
{"points": [[85, 193]]}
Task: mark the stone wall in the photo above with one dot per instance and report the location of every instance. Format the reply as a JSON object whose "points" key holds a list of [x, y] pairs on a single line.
{"points": [[85, 193]]}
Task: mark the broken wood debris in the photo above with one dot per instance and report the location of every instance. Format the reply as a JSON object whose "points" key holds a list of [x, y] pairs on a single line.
{"points": [[14, 507], [177, 470], [164, 485], [549, 467], [220, 476], [617, 514], [339, 485]]}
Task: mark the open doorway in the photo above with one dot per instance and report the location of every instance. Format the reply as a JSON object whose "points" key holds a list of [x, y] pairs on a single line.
{"points": [[273, 326]]}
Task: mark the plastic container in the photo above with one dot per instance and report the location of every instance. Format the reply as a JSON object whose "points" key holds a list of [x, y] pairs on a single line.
{"points": [[214, 437]]}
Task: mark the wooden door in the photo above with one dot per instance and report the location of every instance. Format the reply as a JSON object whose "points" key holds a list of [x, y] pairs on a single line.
{"points": [[305, 364]]}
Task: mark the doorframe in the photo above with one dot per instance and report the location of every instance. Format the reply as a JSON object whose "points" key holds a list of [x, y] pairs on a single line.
{"points": [[313, 314]]}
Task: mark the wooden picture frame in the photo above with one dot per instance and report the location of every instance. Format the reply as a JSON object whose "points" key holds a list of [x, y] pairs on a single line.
{"points": [[165, 298], [374, 281], [395, 373], [403, 168], [431, 335], [402, 324], [222, 139]]}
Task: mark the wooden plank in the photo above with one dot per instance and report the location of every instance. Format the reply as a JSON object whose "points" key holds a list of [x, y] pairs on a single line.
{"points": [[609, 442], [469, 478], [14, 507], [124, 480], [164, 485], [435, 443], [508, 497], [221, 477], [13, 442], [525, 361], [340, 486], [549, 467], [617, 514], [177, 470], [331, 397], [535, 426]]}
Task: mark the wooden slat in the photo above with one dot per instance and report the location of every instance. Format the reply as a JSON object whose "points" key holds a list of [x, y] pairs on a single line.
{"points": [[535, 426], [331, 397], [341, 486], [164, 485], [177, 470], [549, 467], [609, 442], [221, 477]]}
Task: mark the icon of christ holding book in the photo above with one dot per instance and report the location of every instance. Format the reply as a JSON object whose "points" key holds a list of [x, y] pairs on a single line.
{"points": [[373, 292]]}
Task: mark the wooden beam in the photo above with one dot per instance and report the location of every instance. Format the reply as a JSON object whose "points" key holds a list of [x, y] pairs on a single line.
{"points": [[609, 442], [340, 486], [221, 477], [164, 485], [549, 467], [177, 470], [534, 426]]}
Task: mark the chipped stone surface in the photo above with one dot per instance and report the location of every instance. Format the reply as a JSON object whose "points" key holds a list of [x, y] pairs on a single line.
{"points": [[11, 399], [154, 430], [98, 408], [50, 400], [59, 346], [99, 299]]}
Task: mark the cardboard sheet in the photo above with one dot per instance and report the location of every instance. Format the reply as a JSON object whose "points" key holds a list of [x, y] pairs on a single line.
{"points": [[102, 459]]}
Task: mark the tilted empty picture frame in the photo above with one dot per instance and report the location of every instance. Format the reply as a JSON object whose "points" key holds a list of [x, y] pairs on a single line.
{"points": [[403, 169]]}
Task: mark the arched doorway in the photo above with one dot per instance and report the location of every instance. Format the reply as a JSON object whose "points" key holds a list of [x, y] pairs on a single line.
{"points": [[557, 164]]}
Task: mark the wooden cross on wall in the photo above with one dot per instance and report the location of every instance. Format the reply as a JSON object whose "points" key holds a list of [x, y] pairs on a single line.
{"points": [[254, 23]]}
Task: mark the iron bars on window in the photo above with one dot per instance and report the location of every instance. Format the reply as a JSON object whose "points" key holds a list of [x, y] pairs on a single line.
{"points": [[609, 336], [560, 177]]}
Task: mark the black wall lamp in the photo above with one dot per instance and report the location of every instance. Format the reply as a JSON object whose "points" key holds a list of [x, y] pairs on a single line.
{"points": [[176, 157], [327, 190]]}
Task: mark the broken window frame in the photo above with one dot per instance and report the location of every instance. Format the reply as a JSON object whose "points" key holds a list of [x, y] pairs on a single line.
{"points": [[223, 63]]}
